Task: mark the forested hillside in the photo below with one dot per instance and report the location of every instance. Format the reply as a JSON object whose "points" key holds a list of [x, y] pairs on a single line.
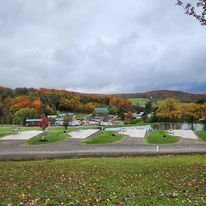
{"points": [[30, 102], [163, 94]]}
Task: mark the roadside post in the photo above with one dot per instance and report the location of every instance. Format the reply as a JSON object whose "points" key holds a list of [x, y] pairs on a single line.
{"points": [[157, 148]]}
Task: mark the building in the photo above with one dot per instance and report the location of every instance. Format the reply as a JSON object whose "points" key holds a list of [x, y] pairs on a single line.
{"points": [[105, 124], [100, 112], [58, 120], [33, 122]]}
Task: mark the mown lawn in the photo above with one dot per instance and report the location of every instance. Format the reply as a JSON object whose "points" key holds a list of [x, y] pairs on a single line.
{"points": [[201, 135], [54, 135], [5, 131], [105, 137], [161, 137], [140, 101], [142, 181]]}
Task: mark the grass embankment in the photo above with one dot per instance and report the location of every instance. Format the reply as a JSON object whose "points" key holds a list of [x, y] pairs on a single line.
{"points": [[161, 137], [54, 135], [142, 181], [201, 135], [105, 138], [5, 131]]}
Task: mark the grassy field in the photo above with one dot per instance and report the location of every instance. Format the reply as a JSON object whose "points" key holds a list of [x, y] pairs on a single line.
{"points": [[161, 137], [141, 101], [81, 115], [104, 138], [54, 135], [5, 131], [142, 181], [201, 135]]}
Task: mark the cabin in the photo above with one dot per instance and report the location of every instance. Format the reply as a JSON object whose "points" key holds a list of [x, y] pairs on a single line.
{"points": [[33, 122], [58, 120]]}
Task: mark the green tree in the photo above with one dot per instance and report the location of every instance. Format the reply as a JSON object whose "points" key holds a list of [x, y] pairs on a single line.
{"points": [[67, 119], [21, 115], [148, 107], [113, 110], [49, 110]]}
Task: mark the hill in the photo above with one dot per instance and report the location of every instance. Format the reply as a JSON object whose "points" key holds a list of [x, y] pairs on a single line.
{"points": [[18, 104], [163, 94]]}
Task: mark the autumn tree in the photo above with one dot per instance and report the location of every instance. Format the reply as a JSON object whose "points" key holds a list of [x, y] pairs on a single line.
{"points": [[128, 116], [203, 111], [64, 104], [89, 107], [1, 113], [44, 123], [71, 104], [121, 104], [170, 110], [191, 112], [37, 104], [22, 102], [7, 104], [191, 10]]}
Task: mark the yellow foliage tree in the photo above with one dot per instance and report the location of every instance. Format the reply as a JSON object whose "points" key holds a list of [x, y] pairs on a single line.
{"points": [[170, 110], [191, 111]]}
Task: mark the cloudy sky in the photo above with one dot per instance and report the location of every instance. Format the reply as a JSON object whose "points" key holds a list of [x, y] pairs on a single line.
{"points": [[103, 46]]}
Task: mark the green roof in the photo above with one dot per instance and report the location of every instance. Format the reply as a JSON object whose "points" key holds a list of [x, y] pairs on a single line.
{"points": [[101, 110]]}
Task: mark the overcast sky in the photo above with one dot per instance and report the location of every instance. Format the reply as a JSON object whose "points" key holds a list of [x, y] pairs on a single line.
{"points": [[102, 46]]}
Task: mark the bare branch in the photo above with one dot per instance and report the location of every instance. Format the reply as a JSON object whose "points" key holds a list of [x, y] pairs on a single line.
{"points": [[190, 10]]}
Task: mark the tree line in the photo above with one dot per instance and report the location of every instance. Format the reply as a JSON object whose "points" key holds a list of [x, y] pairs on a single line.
{"points": [[18, 104], [172, 110], [21, 103]]}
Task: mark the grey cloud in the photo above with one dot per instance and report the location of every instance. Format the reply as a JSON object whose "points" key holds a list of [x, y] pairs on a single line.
{"points": [[101, 46]]}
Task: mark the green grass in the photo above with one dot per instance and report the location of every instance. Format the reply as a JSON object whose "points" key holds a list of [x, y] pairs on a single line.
{"points": [[201, 135], [104, 138], [142, 181], [141, 101], [54, 135], [161, 137], [5, 131], [81, 115]]}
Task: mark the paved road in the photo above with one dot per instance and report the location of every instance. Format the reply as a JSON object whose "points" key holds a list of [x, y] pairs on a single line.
{"points": [[18, 150]]}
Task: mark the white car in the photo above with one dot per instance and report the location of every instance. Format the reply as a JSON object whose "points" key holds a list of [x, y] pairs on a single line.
{"points": [[170, 131]]}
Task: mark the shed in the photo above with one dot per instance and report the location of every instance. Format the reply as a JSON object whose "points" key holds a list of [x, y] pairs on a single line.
{"points": [[33, 122]]}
